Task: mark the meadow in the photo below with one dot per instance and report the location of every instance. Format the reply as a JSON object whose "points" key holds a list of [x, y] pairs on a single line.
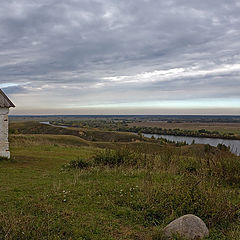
{"points": [[223, 127], [72, 183]]}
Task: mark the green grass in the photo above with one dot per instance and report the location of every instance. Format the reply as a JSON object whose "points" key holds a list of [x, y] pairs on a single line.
{"points": [[92, 135], [42, 200]]}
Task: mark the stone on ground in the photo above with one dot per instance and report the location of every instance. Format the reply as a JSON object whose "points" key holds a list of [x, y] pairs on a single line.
{"points": [[188, 226]]}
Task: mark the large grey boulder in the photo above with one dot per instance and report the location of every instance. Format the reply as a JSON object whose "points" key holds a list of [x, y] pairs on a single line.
{"points": [[188, 226]]}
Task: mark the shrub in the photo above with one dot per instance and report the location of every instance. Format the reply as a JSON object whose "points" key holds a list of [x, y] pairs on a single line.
{"points": [[207, 148], [167, 158], [77, 164], [223, 147], [189, 164], [226, 169], [3, 159], [115, 157]]}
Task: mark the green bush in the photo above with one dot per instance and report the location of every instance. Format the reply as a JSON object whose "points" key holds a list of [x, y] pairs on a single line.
{"points": [[189, 164], [226, 169], [77, 164], [4, 159], [115, 157], [223, 147]]}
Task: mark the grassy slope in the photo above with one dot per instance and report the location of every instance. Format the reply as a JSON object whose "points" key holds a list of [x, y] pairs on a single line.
{"points": [[33, 189], [40, 201], [86, 134]]}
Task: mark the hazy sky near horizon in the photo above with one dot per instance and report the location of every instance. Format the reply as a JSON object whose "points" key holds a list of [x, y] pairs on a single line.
{"points": [[121, 57]]}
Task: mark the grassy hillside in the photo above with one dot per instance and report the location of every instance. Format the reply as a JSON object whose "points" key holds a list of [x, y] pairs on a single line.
{"points": [[59, 185], [84, 133]]}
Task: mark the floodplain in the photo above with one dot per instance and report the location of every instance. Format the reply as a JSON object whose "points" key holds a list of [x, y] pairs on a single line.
{"points": [[93, 182]]}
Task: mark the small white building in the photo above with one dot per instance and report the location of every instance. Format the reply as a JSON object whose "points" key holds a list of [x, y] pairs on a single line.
{"points": [[5, 104]]}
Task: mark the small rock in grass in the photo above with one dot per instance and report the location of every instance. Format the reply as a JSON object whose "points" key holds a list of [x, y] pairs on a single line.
{"points": [[188, 226]]}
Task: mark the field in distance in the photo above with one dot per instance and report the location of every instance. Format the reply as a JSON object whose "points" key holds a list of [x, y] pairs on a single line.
{"points": [[226, 127], [221, 124]]}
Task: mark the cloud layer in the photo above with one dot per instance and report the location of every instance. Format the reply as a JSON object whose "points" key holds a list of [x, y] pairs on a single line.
{"points": [[78, 54]]}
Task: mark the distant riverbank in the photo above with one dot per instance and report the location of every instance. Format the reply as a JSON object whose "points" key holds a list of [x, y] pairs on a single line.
{"points": [[201, 133], [233, 144]]}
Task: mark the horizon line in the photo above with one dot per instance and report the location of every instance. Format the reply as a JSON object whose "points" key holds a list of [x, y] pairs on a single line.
{"points": [[37, 115]]}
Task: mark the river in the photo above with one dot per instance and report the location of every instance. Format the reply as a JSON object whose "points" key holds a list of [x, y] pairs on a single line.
{"points": [[233, 144]]}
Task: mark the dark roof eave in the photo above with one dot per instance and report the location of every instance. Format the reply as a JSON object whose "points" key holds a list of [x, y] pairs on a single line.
{"points": [[8, 100]]}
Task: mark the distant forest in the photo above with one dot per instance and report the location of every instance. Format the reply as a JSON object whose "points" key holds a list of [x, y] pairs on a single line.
{"points": [[168, 118]]}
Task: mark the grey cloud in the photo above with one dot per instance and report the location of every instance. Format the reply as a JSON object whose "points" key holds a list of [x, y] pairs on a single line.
{"points": [[67, 47], [14, 90]]}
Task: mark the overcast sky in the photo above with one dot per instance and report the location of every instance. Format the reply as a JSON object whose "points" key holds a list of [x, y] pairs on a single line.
{"points": [[121, 56]]}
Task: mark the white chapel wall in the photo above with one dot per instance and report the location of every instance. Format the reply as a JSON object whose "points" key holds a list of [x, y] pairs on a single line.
{"points": [[4, 145]]}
